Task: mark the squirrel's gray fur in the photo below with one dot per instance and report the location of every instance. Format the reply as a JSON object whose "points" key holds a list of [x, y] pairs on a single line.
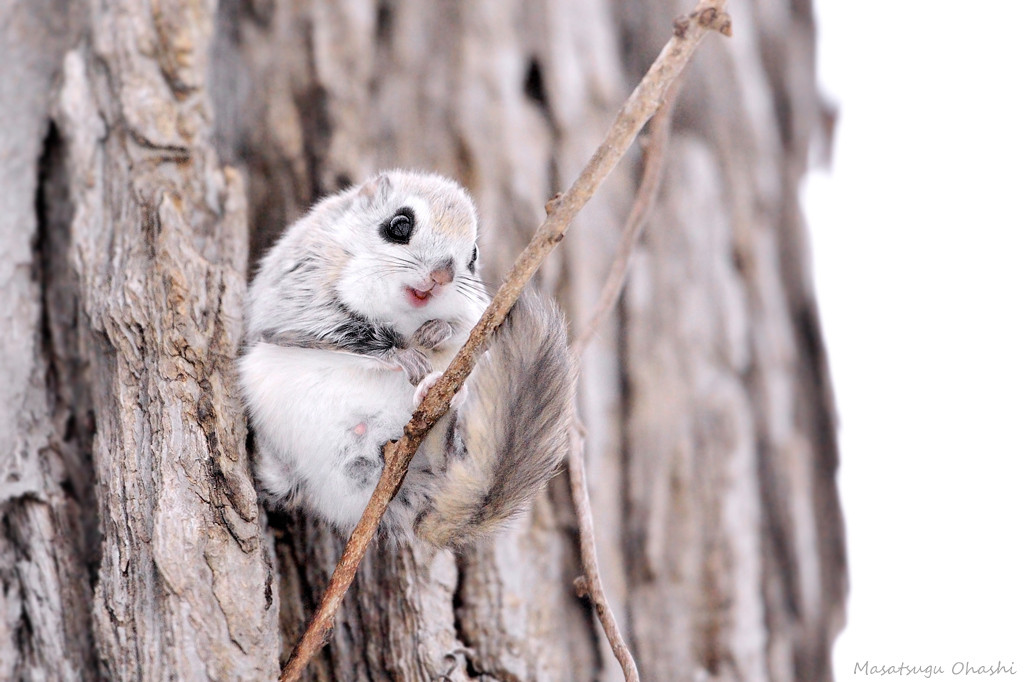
{"points": [[514, 427], [348, 325]]}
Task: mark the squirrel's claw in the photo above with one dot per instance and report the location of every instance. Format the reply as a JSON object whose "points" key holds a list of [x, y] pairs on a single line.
{"points": [[432, 334], [412, 361]]}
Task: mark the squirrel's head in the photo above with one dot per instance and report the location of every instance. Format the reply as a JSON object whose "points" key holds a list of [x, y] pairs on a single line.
{"points": [[410, 252]]}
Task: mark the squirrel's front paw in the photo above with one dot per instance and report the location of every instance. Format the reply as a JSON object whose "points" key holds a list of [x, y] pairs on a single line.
{"points": [[432, 334], [411, 361], [428, 381]]}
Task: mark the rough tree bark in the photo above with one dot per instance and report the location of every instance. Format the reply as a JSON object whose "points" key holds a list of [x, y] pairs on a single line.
{"points": [[145, 143]]}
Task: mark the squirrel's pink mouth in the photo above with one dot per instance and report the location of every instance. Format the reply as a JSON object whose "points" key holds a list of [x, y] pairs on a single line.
{"points": [[417, 297]]}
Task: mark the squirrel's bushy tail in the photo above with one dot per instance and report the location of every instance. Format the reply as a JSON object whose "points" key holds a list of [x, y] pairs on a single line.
{"points": [[513, 431]]}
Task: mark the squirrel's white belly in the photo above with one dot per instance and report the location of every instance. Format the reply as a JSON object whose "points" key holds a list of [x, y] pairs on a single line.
{"points": [[322, 417]]}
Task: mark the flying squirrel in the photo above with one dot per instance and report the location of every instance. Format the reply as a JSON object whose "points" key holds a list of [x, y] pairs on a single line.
{"points": [[350, 318]]}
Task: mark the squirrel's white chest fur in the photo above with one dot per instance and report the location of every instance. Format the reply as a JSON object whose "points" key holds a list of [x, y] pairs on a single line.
{"points": [[325, 415]]}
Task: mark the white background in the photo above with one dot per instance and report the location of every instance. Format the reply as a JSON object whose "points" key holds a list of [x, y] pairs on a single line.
{"points": [[918, 249]]}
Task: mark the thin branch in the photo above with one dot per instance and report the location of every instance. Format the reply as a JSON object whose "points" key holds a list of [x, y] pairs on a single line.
{"points": [[709, 16], [561, 210], [654, 162], [590, 583]]}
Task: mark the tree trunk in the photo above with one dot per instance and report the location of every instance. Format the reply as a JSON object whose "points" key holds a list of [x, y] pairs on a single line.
{"points": [[151, 150]]}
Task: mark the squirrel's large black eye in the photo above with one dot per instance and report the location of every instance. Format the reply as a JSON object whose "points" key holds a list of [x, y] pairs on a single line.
{"points": [[472, 260], [398, 228]]}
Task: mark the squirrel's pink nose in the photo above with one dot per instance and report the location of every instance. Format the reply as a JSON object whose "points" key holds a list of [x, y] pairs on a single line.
{"points": [[443, 275]]}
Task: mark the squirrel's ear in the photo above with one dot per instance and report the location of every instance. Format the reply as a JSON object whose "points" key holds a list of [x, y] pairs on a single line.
{"points": [[376, 188]]}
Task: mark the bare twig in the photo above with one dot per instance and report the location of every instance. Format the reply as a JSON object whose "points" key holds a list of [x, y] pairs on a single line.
{"points": [[709, 16], [657, 141], [561, 210], [654, 163], [590, 583]]}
